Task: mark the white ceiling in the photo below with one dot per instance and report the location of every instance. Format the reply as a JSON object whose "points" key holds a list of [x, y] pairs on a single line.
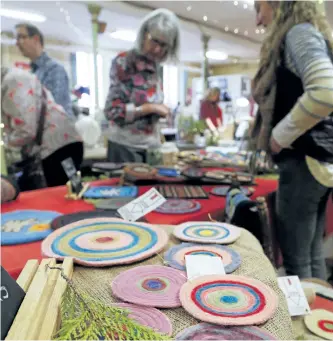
{"points": [[127, 15]]}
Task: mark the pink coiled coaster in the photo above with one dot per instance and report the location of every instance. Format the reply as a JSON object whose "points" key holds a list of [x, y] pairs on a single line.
{"points": [[207, 331], [229, 300], [150, 285], [149, 317]]}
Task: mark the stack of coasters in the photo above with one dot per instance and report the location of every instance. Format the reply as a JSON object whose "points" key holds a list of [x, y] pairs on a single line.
{"points": [[182, 192]]}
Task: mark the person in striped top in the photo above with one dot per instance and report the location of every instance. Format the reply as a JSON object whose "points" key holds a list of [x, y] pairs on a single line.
{"points": [[294, 90]]}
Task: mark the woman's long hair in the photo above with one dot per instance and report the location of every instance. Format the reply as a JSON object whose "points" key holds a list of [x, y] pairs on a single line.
{"points": [[300, 12]]}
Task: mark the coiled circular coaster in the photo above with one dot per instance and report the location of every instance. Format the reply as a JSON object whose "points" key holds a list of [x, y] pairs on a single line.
{"points": [[223, 190], [207, 331], [105, 241], [217, 175], [25, 226], [150, 285], [178, 206], [207, 232], [175, 256], [147, 316], [194, 173], [140, 171], [228, 300], [320, 322], [107, 166]]}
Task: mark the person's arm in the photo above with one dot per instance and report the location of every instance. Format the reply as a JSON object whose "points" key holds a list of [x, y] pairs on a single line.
{"points": [[57, 82], [307, 50], [204, 110], [118, 107], [20, 107]]}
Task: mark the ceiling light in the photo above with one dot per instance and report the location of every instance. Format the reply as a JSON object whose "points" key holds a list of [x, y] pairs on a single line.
{"points": [[236, 3], [246, 33], [262, 31], [226, 28], [236, 30], [13, 14], [205, 18], [124, 35], [245, 6], [257, 31], [216, 55], [188, 8]]}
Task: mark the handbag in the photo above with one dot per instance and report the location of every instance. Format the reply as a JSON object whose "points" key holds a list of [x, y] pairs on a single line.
{"points": [[31, 167]]}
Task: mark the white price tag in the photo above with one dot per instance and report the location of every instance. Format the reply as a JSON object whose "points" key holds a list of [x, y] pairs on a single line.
{"points": [[142, 205], [201, 265], [296, 299]]}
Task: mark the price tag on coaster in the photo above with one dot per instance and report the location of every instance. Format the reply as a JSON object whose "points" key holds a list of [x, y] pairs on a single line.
{"points": [[201, 265], [142, 205], [71, 172], [294, 293]]}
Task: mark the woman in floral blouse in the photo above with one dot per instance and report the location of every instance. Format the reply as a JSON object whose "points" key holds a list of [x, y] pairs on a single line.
{"points": [[135, 100], [21, 104]]}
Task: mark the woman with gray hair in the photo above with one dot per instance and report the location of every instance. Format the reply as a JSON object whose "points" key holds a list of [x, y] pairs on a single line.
{"points": [[134, 103]]}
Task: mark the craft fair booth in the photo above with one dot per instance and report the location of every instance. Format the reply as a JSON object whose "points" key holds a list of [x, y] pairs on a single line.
{"points": [[154, 278]]}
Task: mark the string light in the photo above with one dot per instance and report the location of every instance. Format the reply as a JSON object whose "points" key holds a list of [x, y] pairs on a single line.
{"points": [[262, 31], [236, 30], [226, 28], [205, 18], [188, 8], [257, 31], [245, 6], [246, 33], [236, 3]]}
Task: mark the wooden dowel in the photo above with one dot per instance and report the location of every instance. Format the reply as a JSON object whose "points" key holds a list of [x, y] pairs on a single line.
{"points": [[51, 322], [26, 314], [43, 303], [27, 274]]}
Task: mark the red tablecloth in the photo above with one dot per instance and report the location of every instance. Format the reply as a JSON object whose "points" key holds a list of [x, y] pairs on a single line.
{"points": [[13, 258]]}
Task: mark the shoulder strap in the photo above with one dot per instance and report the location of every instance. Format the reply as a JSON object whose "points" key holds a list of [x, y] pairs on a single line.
{"points": [[41, 121]]}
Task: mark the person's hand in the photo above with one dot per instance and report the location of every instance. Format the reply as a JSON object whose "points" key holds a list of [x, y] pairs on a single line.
{"points": [[162, 110], [274, 146], [159, 109]]}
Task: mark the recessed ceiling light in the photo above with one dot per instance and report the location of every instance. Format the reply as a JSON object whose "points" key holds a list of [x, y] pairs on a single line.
{"points": [[246, 33], [13, 14], [236, 3], [236, 30], [245, 6], [205, 18], [216, 55], [189, 8], [226, 28], [124, 35], [257, 31]]}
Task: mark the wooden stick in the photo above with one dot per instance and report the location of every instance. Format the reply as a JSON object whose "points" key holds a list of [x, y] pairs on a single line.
{"points": [[26, 315], [43, 303], [51, 322], [27, 274]]}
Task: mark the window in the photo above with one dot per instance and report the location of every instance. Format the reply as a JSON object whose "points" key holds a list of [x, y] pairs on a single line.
{"points": [[170, 85]]}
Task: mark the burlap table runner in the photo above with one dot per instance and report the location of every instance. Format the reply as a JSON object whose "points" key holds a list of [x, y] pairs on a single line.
{"points": [[96, 282]]}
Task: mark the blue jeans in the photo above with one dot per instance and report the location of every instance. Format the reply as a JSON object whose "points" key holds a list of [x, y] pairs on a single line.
{"points": [[301, 205]]}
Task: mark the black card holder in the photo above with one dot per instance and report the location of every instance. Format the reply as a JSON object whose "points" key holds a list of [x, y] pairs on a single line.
{"points": [[11, 297]]}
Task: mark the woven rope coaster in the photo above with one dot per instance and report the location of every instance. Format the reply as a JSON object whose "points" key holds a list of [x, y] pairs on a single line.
{"points": [[149, 317], [66, 219], [150, 285], [25, 226], [320, 322], [194, 173], [140, 171], [207, 331], [207, 232], [111, 192], [105, 241], [175, 256], [178, 206], [229, 300], [223, 190], [107, 166]]}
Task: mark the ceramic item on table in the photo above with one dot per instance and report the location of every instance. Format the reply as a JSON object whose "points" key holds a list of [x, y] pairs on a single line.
{"points": [[320, 322], [140, 171], [150, 285], [194, 173], [229, 300], [207, 232], [105, 242], [175, 256], [25, 226]]}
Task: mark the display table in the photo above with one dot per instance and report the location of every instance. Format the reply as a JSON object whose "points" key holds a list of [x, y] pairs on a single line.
{"points": [[254, 264]]}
